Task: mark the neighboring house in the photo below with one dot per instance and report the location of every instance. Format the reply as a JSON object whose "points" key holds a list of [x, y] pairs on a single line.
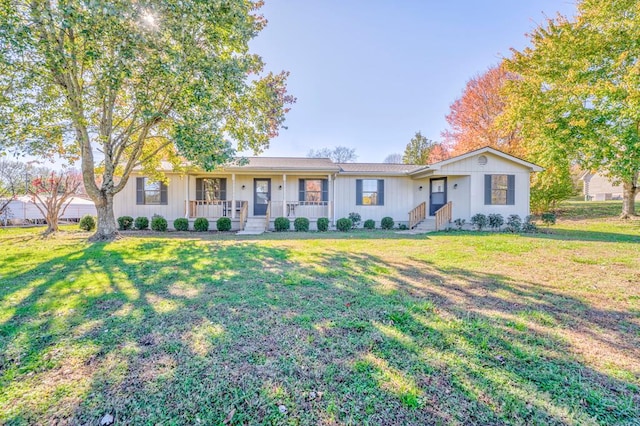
{"points": [[597, 187], [23, 209], [481, 181]]}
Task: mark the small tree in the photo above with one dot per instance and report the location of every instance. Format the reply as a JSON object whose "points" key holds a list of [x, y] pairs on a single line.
{"points": [[13, 175], [52, 194]]}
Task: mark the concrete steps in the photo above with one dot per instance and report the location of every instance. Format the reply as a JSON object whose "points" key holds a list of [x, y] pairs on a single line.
{"points": [[254, 226], [427, 225]]}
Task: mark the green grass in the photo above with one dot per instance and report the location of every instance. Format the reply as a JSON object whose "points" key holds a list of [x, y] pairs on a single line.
{"points": [[356, 328]]}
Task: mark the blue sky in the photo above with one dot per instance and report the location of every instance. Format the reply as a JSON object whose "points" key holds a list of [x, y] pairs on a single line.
{"points": [[368, 74]]}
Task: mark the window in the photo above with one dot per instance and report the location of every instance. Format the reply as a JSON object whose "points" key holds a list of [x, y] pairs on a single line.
{"points": [[499, 189], [150, 192], [211, 189], [369, 192], [313, 190]]}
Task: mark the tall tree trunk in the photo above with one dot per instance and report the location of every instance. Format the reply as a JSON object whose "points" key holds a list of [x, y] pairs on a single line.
{"points": [[629, 191], [107, 229]]}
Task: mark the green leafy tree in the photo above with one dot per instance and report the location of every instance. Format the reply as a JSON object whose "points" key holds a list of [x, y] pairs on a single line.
{"points": [[578, 95], [123, 84], [418, 150]]}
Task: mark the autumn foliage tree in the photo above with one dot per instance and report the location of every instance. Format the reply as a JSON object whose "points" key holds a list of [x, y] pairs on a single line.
{"points": [[52, 195], [138, 82], [473, 117], [421, 150]]}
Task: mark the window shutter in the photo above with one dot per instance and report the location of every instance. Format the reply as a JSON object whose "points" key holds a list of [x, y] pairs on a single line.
{"points": [[358, 192], [301, 196], [163, 194], [487, 189], [511, 189], [140, 190], [381, 192], [199, 192], [223, 189], [325, 190]]}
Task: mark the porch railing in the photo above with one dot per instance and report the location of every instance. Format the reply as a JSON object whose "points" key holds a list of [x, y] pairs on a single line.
{"points": [[417, 215], [213, 208], [244, 212], [267, 216], [308, 209], [443, 216]]}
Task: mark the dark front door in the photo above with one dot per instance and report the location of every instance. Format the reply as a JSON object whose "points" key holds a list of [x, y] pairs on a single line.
{"points": [[437, 195], [261, 196]]}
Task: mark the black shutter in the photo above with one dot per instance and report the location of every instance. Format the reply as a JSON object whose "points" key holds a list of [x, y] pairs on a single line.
{"points": [[140, 190], [381, 192], [223, 189], [325, 190], [163, 194], [358, 192], [199, 191], [301, 195], [511, 189], [487, 189]]}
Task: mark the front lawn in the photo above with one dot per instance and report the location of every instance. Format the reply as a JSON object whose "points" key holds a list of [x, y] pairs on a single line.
{"points": [[359, 328]]}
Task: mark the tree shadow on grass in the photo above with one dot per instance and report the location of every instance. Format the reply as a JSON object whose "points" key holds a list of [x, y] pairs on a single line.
{"points": [[181, 332]]}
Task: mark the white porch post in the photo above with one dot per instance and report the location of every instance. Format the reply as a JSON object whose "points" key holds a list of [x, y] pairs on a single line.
{"points": [[329, 198], [186, 196], [284, 195], [233, 196]]}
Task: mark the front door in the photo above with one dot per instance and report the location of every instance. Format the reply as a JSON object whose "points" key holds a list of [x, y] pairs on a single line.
{"points": [[437, 195], [261, 196]]}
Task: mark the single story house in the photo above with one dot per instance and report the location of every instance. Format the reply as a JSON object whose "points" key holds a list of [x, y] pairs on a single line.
{"points": [[252, 195], [597, 187]]}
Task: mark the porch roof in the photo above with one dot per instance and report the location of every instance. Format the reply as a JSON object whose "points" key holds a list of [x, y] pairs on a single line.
{"points": [[282, 164]]}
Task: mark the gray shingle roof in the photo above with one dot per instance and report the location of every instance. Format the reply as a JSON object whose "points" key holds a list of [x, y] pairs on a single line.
{"points": [[286, 163], [378, 168]]}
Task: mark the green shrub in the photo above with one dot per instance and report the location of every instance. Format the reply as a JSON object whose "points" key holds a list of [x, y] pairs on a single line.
{"points": [[402, 227], [201, 224], [355, 219], [301, 224], [181, 224], [125, 222], [344, 224], [387, 223], [158, 223], [322, 224], [480, 221], [141, 223], [370, 224], [88, 223], [496, 220], [282, 224], [223, 224], [529, 226], [459, 223], [514, 223], [548, 218]]}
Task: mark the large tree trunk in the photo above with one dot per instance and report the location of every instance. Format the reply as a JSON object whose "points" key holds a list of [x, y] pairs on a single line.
{"points": [[629, 191], [107, 229]]}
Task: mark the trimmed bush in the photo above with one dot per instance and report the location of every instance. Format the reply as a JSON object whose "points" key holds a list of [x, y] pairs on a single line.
{"points": [[159, 223], [87, 223], [181, 224], [125, 222], [322, 224], [355, 219], [496, 220], [459, 223], [370, 224], [301, 224], [548, 218], [344, 224], [223, 224], [514, 223], [141, 223], [480, 221], [201, 224], [402, 227], [282, 224], [529, 225], [387, 223]]}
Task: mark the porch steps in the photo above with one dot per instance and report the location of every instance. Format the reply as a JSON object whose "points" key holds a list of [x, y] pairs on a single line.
{"points": [[427, 225], [254, 226]]}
